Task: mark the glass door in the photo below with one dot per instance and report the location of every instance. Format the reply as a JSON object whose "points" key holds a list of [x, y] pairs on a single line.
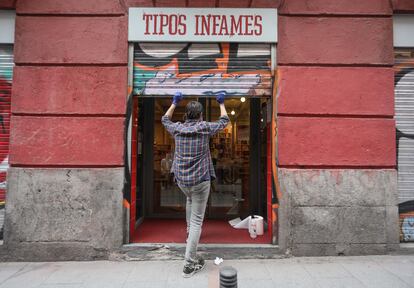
{"points": [[230, 155], [237, 154]]}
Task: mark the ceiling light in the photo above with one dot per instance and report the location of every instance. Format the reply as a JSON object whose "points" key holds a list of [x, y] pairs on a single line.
{"points": [[232, 112], [243, 99]]}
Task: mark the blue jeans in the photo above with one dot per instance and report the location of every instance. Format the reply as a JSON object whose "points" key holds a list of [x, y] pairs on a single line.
{"points": [[197, 197]]}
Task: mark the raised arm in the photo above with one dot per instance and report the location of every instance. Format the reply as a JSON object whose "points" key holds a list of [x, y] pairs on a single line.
{"points": [[220, 100], [166, 119], [176, 99], [224, 118], [170, 111]]}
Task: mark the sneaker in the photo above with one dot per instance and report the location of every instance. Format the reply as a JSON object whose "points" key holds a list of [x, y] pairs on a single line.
{"points": [[192, 268]]}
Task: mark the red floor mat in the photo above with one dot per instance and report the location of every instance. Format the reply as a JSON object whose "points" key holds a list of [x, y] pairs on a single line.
{"points": [[173, 231]]}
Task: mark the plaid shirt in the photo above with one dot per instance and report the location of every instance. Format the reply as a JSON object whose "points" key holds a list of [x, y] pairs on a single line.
{"points": [[192, 160]]}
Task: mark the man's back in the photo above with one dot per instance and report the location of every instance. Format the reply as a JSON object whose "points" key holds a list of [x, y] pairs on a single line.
{"points": [[192, 161]]}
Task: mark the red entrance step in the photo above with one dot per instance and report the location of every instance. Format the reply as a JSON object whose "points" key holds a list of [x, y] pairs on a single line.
{"points": [[214, 231]]}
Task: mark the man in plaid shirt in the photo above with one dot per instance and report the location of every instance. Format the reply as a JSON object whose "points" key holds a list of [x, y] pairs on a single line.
{"points": [[193, 168]]}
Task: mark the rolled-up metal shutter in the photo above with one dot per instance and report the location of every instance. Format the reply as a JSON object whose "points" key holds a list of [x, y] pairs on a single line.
{"points": [[404, 115], [202, 69]]}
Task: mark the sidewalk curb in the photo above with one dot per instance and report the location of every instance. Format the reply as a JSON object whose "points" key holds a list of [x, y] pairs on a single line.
{"points": [[155, 252]]}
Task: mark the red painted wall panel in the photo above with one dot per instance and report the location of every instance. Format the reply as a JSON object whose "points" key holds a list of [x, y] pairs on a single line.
{"points": [[170, 3], [336, 142], [335, 40], [69, 7], [234, 4], [201, 3], [336, 90], [349, 7], [7, 4], [66, 141], [69, 90], [266, 3], [72, 40], [406, 6], [139, 3]]}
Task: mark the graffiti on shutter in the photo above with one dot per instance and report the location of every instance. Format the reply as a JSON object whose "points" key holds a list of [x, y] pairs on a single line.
{"points": [[6, 73], [404, 115], [202, 69]]}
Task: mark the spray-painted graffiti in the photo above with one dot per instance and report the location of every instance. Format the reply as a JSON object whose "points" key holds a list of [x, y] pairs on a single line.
{"points": [[6, 74], [5, 91], [407, 228], [406, 210], [404, 114], [202, 69]]}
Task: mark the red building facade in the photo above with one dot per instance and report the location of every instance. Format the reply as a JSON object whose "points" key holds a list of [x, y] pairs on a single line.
{"points": [[335, 180]]}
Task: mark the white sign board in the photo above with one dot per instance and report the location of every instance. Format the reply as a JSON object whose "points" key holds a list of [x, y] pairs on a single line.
{"points": [[7, 20], [202, 25], [403, 30]]}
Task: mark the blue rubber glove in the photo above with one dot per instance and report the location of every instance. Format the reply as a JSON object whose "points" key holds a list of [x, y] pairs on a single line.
{"points": [[177, 98], [220, 97]]}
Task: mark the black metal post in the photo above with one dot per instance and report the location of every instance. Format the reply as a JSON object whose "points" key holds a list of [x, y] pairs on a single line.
{"points": [[228, 277]]}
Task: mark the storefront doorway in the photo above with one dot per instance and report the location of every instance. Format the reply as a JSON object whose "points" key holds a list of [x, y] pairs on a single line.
{"points": [[239, 155]]}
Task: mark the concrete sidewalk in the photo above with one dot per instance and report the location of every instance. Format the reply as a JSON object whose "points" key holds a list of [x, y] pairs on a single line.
{"points": [[330, 272]]}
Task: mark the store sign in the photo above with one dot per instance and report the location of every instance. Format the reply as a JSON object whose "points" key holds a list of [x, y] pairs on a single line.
{"points": [[202, 25]]}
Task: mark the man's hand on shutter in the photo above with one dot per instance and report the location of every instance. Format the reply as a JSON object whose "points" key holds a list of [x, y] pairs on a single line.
{"points": [[178, 96], [220, 97]]}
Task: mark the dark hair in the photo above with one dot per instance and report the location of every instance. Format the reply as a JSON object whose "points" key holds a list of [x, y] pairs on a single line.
{"points": [[193, 110]]}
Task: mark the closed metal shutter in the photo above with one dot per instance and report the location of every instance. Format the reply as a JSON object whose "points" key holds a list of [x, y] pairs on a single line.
{"points": [[404, 115], [6, 74], [202, 69]]}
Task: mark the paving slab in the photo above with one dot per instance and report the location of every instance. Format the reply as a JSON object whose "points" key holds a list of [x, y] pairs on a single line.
{"points": [[311, 272], [9, 269], [373, 275], [347, 282], [31, 276], [251, 270]]}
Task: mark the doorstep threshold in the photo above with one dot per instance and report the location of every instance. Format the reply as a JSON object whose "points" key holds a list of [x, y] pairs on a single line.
{"points": [[175, 251], [204, 245]]}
